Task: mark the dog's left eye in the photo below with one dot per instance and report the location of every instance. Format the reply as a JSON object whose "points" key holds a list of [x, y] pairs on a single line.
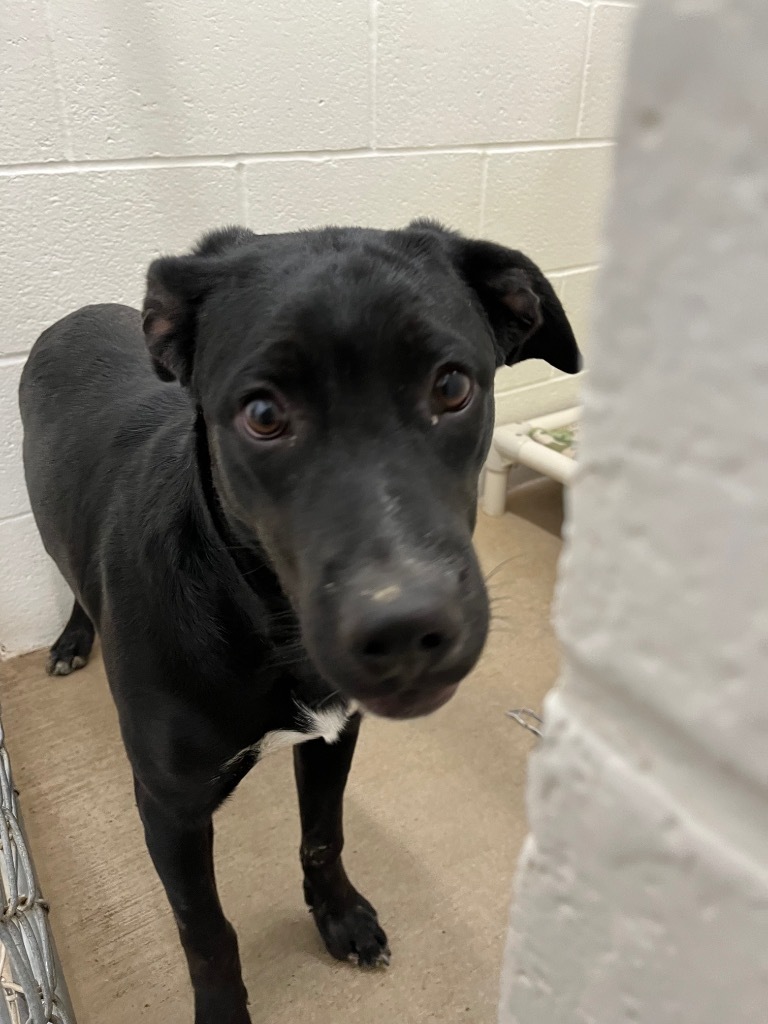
{"points": [[265, 417], [452, 390]]}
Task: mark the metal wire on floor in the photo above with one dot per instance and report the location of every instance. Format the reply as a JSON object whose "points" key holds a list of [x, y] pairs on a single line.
{"points": [[527, 718], [33, 989]]}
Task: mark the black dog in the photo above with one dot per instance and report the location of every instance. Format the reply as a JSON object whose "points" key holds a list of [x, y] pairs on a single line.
{"points": [[271, 531]]}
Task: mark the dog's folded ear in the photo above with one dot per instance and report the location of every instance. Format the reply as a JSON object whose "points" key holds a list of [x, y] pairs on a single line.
{"points": [[525, 315], [176, 286]]}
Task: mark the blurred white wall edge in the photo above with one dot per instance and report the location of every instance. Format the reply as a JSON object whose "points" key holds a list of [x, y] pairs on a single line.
{"points": [[642, 891]]}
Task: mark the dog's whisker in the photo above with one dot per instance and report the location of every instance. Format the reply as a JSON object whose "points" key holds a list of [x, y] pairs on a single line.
{"points": [[326, 700], [495, 622], [497, 585], [501, 565], [498, 624], [252, 572]]}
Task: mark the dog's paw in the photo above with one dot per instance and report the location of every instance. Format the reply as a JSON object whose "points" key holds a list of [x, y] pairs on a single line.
{"points": [[354, 935], [67, 655]]}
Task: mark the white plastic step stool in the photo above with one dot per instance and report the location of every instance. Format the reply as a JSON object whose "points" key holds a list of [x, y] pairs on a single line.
{"points": [[546, 444]]}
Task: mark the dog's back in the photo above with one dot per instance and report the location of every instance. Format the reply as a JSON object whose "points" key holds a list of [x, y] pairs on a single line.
{"points": [[87, 392]]}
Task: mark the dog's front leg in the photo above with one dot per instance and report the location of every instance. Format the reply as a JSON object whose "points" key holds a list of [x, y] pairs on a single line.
{"points": [[346, 920], [182, 852]]}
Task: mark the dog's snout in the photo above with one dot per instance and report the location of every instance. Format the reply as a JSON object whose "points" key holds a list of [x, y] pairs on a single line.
{"points": [[402, 632], [398, 638]]}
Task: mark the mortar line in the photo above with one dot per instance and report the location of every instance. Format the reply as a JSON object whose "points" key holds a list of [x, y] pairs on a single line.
{"points": [[483, 191], [585, 69], [373, 29], [232, 159], [58, 82]]}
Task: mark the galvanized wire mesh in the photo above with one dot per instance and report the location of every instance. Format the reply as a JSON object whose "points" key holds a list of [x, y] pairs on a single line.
{"points": [[33, 990]]}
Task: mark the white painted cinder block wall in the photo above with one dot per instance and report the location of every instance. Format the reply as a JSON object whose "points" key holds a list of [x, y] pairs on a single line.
{"points": [[642, 896], [129, 128]]}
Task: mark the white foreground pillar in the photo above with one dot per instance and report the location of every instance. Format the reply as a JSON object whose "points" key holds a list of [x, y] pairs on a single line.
{"points": [[642, 892]]}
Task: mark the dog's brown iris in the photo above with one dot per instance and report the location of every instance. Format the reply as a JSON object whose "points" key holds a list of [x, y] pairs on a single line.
{"points": [[265, 417], [452, 391]]}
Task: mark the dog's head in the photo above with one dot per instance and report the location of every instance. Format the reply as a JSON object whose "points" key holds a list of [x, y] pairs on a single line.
{"points": [[346, 381]]}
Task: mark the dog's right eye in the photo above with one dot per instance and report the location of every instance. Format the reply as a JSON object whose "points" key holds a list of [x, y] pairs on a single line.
{"points": [[452, 390], [264, 417]]}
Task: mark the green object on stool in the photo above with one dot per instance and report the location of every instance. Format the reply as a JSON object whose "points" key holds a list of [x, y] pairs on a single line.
{"points": [[563, 440]]}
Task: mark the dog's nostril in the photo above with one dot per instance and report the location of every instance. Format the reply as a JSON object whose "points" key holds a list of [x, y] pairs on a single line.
{"points": [[376, 649], [385, 647], [402, 638], [431, 641]]}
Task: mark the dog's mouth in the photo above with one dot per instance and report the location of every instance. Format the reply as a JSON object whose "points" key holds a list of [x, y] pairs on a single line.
{"points": [[409, 703]]}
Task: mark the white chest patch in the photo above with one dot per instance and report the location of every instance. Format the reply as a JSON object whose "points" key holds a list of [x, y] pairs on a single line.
{"points": [[323, 724]]}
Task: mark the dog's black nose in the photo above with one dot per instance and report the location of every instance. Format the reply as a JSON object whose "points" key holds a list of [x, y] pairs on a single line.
{"points": [[401, 633]]}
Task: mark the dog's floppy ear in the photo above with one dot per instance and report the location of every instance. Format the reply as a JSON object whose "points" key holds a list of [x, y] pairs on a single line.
{"points": [[526, 316], [176, 285]]}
